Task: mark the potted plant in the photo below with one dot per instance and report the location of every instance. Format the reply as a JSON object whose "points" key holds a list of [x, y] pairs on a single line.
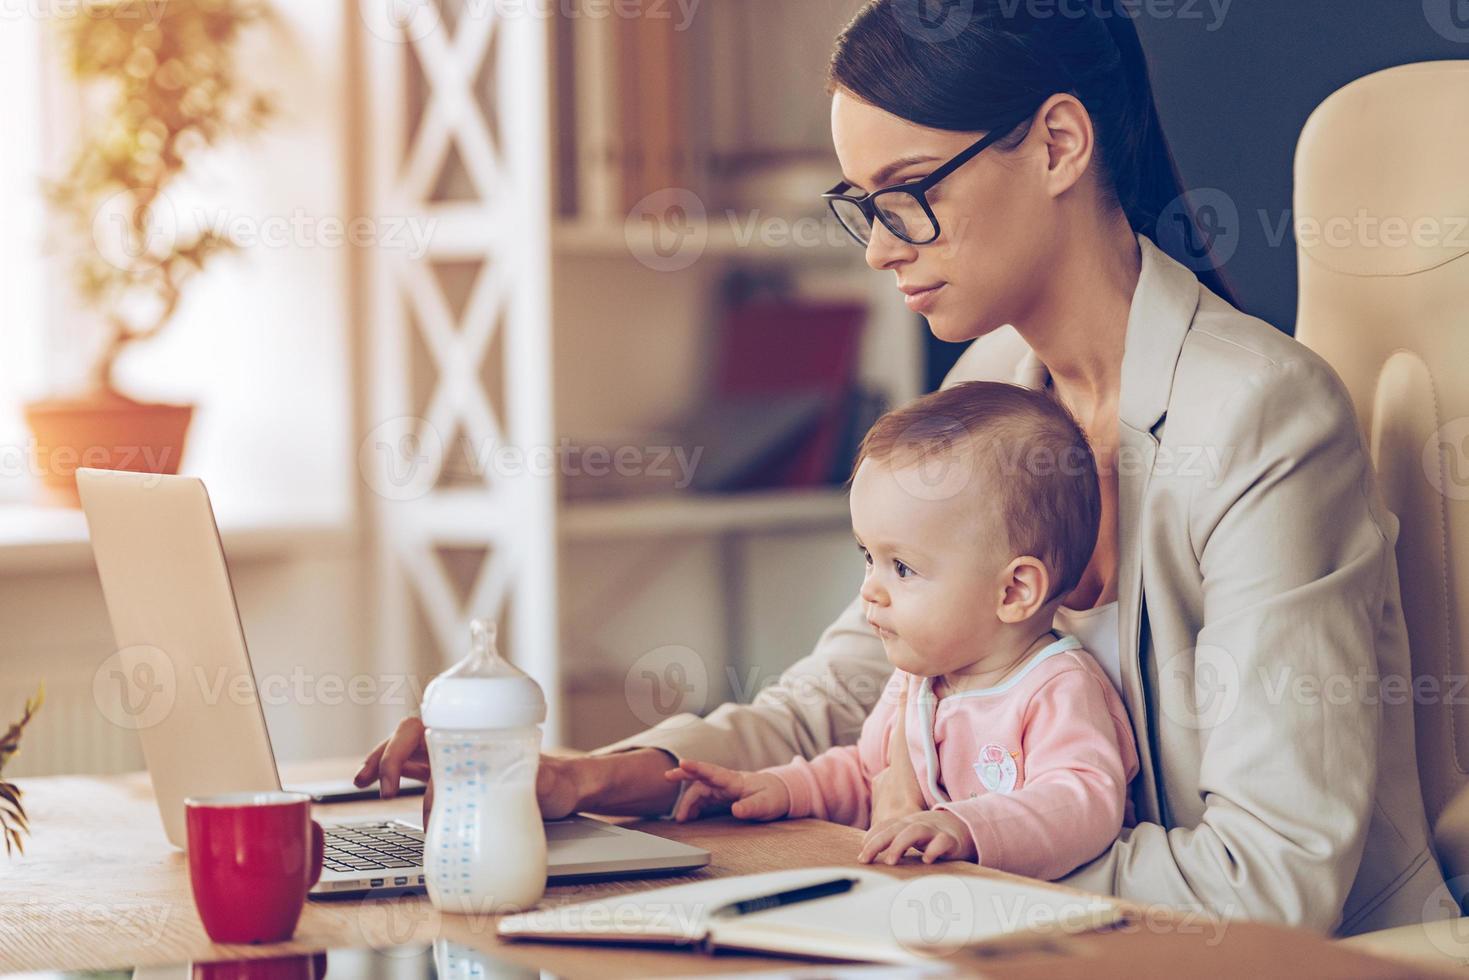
{"points": [[164, 75], [14, 824]]}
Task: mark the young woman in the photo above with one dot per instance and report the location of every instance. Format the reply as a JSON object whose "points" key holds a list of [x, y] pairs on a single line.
{"points": [[1006, 165]]}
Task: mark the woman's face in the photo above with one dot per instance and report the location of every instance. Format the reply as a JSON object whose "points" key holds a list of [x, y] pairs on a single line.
{"points": [[996, 218]]}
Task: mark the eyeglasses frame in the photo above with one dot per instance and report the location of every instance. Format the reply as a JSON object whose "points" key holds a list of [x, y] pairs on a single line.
{"points": [[917, 189]]}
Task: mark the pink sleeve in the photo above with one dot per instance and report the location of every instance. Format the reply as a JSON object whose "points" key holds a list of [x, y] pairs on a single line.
{"points": [[1069, 805], [837, 784]]}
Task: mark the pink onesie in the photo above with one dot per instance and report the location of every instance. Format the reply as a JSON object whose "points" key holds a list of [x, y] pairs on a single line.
{"points": [[1037, 766]]}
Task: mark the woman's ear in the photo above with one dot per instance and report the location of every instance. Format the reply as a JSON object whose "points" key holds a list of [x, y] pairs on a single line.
{"points": [[1066, 127], [1024, 586]]}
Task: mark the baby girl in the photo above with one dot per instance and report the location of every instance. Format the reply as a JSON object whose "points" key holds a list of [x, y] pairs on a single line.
{"points": [[976, 510]]}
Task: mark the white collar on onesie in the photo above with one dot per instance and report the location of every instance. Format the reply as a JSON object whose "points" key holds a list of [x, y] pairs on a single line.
{"points": [[927, 704]]}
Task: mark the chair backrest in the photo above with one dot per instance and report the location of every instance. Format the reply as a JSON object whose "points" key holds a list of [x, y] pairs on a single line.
{"points": [[1382, 221]]}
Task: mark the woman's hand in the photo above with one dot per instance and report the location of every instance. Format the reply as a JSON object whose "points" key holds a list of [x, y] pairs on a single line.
{"points": [[937, 833], [405, 753], [895, 791], [749, 795]]}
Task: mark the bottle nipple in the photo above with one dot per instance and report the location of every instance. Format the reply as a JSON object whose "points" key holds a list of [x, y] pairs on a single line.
{"points": [[482, 639]]}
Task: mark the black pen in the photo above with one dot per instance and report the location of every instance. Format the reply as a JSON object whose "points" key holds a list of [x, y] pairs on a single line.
{"points": [[804, 894]]}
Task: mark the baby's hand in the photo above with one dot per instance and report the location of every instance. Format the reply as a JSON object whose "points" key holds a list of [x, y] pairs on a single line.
{"points": [[895, 791], [937, 833], [750, 795]]}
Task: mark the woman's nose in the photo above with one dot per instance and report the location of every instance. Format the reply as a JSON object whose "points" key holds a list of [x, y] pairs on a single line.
{"points": [[886, 250]]}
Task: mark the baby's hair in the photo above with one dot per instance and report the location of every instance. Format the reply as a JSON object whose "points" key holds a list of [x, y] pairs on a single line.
{"points": [[1034, 458]]}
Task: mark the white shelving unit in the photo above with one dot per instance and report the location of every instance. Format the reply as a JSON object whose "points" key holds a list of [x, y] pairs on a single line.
{"points": [[458, 134]]}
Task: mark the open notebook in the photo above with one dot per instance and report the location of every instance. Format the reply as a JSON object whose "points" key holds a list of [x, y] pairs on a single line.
{"points": [[881, 920]]}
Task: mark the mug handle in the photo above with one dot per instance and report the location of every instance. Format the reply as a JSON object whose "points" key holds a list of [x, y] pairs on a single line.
{"points": [[318, 852]]}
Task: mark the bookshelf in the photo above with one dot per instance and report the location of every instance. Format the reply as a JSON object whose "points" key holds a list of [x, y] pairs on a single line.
{"points": [[596, 184], [745, 153], [763, 511]]}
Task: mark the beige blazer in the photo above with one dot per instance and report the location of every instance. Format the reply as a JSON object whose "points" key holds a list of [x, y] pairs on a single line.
{"points": [[1259, 612]]}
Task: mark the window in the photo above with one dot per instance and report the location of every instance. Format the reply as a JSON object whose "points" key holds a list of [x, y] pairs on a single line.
{"points": [[22, 228], [260, 344]]}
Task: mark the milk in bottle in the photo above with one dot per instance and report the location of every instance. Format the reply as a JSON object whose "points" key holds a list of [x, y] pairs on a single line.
{"points": [[485, 845]]}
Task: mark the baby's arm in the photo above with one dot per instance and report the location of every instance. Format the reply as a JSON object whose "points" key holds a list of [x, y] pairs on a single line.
{"points": [[749, 795], [1069, 806], [837, 784]]}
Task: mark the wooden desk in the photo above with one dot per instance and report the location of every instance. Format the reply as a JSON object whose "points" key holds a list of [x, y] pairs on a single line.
{"points": [[100, 887]]}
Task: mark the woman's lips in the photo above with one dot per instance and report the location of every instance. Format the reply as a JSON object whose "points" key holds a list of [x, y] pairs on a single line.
{"points": [[922, 300]]}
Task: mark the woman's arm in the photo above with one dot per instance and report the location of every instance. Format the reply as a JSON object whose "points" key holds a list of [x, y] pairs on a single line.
{"points": [[820, 701], [628, 783], [1295, 554]]}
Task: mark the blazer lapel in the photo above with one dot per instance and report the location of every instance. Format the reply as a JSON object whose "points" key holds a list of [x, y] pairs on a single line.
{"points": [[1163, 309]]}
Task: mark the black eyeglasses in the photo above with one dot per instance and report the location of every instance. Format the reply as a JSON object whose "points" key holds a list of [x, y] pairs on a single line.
{"points": [[903, 209]]}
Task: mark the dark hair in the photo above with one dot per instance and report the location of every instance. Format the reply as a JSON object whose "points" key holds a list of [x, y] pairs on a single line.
{"points": [[1033, 459], [983, 63]]}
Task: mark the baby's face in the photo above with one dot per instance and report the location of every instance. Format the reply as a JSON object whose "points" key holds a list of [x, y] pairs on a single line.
{"points": [[933, 583]]}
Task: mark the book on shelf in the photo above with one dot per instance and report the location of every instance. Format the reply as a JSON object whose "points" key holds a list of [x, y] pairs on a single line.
{"points": [[817, 346], [597, 114], [631, 110]]}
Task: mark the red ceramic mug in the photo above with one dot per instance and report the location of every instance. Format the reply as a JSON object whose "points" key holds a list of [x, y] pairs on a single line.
{"points": [[252, 859]]}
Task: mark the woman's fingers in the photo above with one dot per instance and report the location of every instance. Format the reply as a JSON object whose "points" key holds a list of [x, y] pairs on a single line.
{"points": [[405, 742], [428, 803], [368, 772], [415, 769]]}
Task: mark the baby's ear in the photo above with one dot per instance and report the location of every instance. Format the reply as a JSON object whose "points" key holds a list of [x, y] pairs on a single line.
{"points": [[1024, 586]]}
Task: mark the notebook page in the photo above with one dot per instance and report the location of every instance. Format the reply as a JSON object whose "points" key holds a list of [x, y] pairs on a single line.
{"points": [[904, 921], [677, 914]]}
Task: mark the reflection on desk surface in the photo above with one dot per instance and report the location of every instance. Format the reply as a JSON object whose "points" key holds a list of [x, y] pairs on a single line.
{"points": [[444, 960]]}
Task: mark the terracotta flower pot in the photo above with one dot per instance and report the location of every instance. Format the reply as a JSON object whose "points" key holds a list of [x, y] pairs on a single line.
{"points": [[105, 430]]}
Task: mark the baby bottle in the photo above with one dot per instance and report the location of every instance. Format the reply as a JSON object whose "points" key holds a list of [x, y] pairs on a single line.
{"points": [[485, 846]]}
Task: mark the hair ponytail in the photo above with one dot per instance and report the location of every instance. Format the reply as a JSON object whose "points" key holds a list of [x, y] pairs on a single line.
{"points": [[990, 59]]}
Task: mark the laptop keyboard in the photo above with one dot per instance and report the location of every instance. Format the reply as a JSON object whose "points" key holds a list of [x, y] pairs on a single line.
{"points": [[372, 847]]}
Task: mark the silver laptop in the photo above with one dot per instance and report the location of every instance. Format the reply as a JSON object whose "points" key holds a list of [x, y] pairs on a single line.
{"points": [[175, 622]]}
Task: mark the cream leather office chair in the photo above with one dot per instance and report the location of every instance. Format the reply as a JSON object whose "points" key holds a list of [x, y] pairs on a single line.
{"points": [[1382, 211]]}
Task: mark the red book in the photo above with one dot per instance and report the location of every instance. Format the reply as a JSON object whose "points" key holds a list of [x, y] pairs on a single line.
{"points": [[770, 348]]}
